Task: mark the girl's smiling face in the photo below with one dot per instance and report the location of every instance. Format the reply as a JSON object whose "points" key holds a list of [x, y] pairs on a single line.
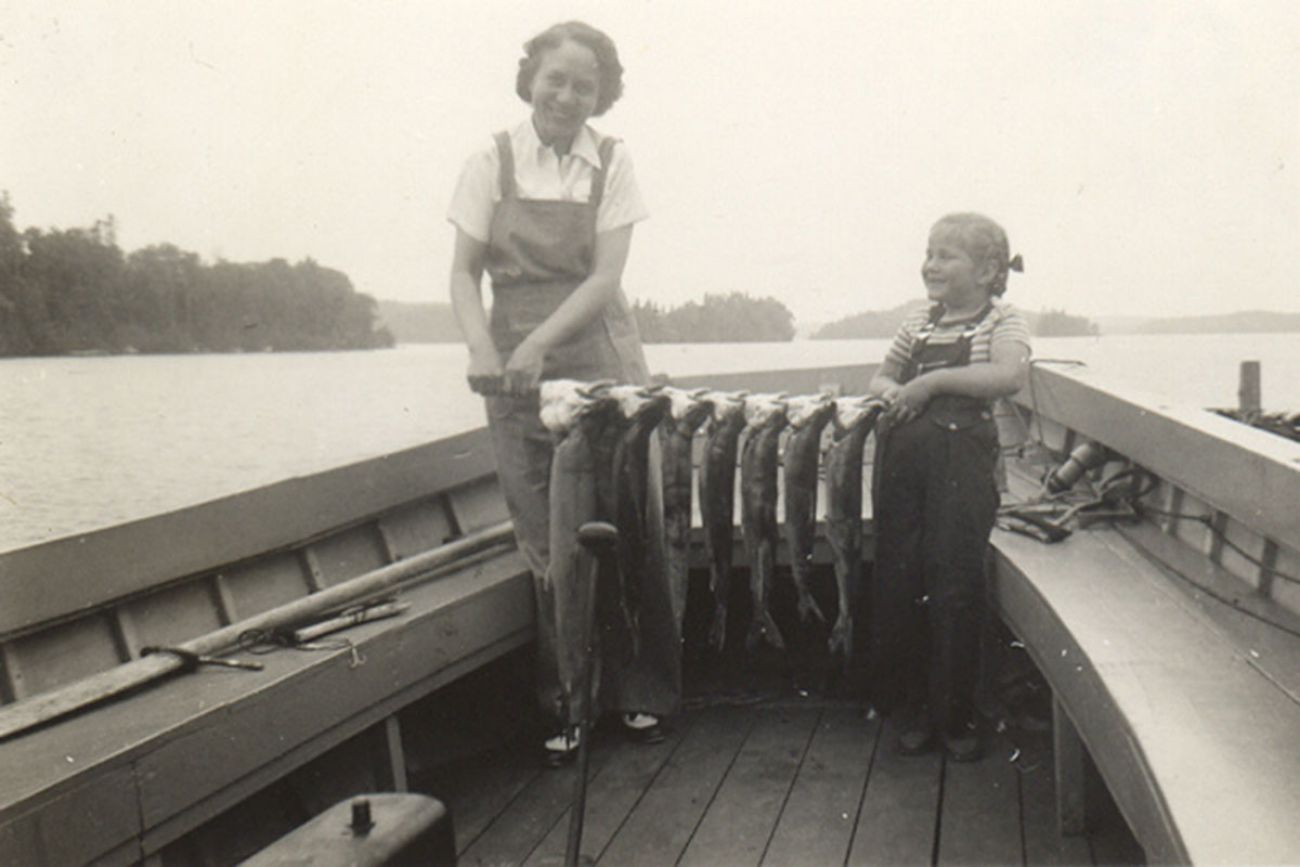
{"points": [[565, 91], [952, 275]]}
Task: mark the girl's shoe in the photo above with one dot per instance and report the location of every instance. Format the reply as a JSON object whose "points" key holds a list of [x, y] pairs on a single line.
{"points": [[915, 741], [643, 728], [915, 732], [561, 749], [966, 747]]}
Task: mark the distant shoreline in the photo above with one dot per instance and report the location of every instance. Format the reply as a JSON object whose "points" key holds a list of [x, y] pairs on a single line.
{"points": [[434, 322]]}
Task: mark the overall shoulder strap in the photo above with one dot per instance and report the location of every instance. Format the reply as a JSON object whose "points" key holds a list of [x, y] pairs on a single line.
{"points": [[931, 322], [971, 327], [506, 159], [606, 151]]}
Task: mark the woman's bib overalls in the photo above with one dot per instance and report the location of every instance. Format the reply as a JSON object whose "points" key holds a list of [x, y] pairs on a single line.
{"points": [[935, 503], [538, 252]]}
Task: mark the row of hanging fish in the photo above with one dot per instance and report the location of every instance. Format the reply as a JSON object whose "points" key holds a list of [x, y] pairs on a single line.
{"points": [[738, 428]]}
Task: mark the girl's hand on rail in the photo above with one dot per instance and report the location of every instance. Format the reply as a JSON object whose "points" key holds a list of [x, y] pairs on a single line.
{"points": [[908, 401]]}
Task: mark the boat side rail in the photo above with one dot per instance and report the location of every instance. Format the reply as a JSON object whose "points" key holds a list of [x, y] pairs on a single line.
{"points": [[1223, 489], [44, 582], [846, 379], [75, 607]]}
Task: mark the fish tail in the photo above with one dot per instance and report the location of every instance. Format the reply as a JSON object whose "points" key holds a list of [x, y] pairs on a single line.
{"points": [[718, 629], [808, 607], [841, 640], [764, 629]]}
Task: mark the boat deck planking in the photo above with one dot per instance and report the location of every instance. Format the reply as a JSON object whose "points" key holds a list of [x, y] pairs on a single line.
{"points": [[789, 782]]}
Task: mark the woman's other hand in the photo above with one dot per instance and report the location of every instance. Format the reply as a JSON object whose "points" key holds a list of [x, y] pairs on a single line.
{"points": [[485, 373], [523, 371]]}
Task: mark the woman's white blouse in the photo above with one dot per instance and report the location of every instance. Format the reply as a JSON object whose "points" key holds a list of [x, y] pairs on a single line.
{"points": [[541, 174]]}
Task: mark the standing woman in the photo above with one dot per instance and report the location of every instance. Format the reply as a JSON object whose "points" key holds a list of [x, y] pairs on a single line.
{"points": [[547, 209]]}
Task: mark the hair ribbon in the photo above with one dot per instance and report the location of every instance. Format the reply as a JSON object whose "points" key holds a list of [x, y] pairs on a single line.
{"points": [[1017, 264]]}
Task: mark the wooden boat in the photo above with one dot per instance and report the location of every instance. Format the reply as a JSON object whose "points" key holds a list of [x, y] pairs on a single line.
{"points": [[1170, 642]]}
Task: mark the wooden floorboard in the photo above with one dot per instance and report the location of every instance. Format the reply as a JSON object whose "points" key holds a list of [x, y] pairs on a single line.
{"points": [[816, 826], [529, 817], [738, 824], [478, 791], [663, 821], [899, 815], [979, 819], [779, 784], [611, 796]]}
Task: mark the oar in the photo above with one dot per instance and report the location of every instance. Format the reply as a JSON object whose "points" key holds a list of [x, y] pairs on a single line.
{"points": [[598, 540], [39, 709]]}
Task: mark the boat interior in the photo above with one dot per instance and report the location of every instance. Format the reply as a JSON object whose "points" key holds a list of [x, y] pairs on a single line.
{"points": [[1140, 678]]}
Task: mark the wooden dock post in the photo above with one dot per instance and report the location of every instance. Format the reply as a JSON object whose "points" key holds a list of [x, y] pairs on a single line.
{"points": [[1248, 391]]}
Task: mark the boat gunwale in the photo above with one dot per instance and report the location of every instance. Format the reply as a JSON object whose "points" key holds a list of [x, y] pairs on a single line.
{"points": [[1251, 475], [45, 584]]}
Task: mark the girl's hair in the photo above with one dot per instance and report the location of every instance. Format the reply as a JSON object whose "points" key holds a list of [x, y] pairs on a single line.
{"points": [[610, 70], [986, 241]]}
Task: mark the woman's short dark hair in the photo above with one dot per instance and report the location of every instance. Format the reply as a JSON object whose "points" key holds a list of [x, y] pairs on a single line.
{"points": [[610, 70]]}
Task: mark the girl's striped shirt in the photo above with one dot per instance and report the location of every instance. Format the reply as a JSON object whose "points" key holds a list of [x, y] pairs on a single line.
{"points": [[1004, 324]]}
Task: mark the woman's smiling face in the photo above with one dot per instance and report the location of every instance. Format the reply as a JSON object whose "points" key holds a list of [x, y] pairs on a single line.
{"points": [[565, 91]]}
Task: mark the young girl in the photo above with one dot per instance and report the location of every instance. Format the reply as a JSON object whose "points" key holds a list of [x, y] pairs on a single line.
{"points": [[934, 492]]}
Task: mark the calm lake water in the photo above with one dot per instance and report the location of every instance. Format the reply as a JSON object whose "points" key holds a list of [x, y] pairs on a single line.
{"points": [[90, 442]]}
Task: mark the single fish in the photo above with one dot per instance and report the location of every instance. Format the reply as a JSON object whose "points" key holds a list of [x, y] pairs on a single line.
{"points": [[808, 416], [718, 500], [759, 459], [641, 410], [576, 418], [854, 420], [687, 411]]}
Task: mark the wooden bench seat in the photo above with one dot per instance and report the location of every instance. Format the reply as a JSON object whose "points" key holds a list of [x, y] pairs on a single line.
{"points": [[117, 784], [1197, 743]]}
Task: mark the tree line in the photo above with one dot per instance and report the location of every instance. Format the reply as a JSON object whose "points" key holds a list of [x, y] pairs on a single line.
{"points": [[74, 290], [730, 318]]}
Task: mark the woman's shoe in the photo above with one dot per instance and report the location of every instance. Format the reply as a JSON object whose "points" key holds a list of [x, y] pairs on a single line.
{"points": [[915, 741], [561, 749], [915, 734], [643, 728], [966, 747]]}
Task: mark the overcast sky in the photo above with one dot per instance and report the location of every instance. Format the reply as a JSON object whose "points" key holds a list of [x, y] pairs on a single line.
{"points": [[1143, 156]]}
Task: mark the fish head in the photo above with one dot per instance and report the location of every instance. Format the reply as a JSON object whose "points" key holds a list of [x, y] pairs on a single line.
{"points": [[565, 401], [636, 401], [725, 405], [764, 409], [689, 408], [853, 411], [809, 409]]}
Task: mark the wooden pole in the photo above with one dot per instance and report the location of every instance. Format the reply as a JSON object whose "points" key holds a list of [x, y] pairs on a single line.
{"points": [[598, 540], [1248, 391], [45, 707]]}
